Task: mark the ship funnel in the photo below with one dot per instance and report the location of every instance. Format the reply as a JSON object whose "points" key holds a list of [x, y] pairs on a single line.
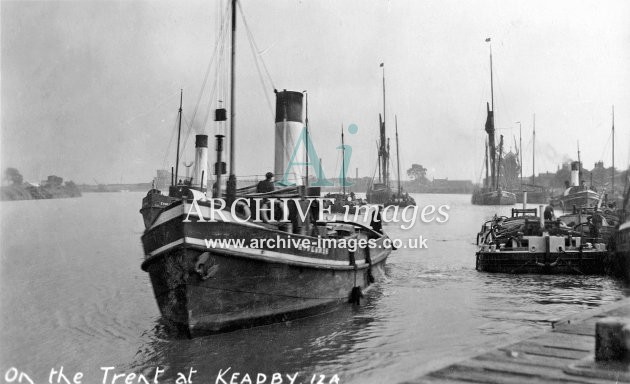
{"points": [[289, 125], [200, 173], [575, 173]]}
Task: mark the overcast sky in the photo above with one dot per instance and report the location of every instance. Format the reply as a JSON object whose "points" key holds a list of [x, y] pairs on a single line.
{"points": [[90, 90]]}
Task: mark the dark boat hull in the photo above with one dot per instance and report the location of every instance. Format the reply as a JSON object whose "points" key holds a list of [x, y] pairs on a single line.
{"points": [[244, 292], [202, 289], [620, 258], [495, 197], [378, 194], [589, 262], [401, 200]]}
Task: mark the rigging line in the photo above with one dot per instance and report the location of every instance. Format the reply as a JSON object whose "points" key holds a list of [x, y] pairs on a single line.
{"points": [[220, 39], [601, 158], [170, 141], [504, 107], [483, 166], [257, 58], [156, 106], [374, 174], [189, 126], [256, 46], [219, 82]]}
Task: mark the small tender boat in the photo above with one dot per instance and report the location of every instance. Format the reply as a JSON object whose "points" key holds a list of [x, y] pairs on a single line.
{"points": [[526, 243]]}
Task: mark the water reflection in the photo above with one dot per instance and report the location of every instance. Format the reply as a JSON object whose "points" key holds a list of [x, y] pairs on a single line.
{"points": [[315, 344]]}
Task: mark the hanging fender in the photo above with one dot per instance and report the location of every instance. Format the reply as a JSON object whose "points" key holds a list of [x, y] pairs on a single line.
{"points": [[368, 259], [205, 266]]}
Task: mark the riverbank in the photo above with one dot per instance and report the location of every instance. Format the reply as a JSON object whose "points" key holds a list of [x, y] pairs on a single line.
{"points": [[31, 192], [546, 357]]}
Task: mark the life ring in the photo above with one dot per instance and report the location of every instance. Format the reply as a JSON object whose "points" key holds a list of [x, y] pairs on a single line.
{"points": [[278, 211], [242, 211]]}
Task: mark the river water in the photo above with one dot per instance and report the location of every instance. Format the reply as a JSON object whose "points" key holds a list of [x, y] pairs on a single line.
{"points": [[73, 295]]}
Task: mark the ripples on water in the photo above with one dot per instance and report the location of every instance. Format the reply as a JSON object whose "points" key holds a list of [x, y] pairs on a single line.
{"points": [[73, 294]]}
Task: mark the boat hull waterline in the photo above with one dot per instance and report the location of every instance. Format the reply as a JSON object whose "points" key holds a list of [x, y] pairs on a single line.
{"points": [[585, 262], [581, 199], [493, 198]]}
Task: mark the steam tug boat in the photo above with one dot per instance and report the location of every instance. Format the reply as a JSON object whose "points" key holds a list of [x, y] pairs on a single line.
{"points": [[526, 243], [578, 196], [228, 261]]}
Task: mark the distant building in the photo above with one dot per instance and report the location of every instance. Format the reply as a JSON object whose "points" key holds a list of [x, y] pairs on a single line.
{"points": [[451, 186]]}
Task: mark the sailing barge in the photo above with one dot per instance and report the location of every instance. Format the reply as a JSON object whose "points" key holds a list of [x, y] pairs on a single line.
{"points": [[203, 283], [491, 193], [381, 192], [526, 243]]}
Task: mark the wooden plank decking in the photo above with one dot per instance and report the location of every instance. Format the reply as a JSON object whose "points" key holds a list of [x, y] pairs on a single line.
{"points": [[538, 359]]}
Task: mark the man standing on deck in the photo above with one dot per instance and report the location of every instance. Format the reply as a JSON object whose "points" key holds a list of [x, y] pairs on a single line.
{"points": [[548, 214], [266, 185], [597, 221]]}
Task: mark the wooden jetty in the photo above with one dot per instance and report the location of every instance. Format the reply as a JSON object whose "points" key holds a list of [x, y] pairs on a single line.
{"points": [[544, 358]]}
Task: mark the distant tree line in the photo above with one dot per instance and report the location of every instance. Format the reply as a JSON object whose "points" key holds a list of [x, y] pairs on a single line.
{"points": [[15, 188]]}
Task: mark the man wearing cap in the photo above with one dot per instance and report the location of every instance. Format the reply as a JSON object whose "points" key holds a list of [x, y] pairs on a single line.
{"points": [[265, 185]]}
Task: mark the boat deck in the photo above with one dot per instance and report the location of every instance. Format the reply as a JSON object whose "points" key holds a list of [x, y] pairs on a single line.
{"points": [[539, 359]]}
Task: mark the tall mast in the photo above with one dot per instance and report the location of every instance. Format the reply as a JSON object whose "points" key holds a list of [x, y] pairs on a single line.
{"points": [[579, 164], [179, 133], [383, 66], [380, 180], [306, 129], [499, 162], [487, 180], [384, 147], [397, 156], [534, 152], [231, 184], [387, 165], [490, 128], [491, 82], [343, 163], [613, 151], [520, 150]]}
